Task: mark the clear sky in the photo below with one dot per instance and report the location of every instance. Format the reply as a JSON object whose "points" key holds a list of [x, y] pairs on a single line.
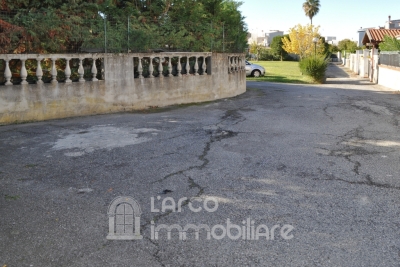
{"points": [[338, 18]]}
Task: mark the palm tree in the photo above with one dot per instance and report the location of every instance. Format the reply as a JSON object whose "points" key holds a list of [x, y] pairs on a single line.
{"points": [[311, 8]]}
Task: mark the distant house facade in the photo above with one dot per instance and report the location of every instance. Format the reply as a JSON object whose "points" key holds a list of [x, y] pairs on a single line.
{"points": [[371, 37], [392, 24], [265, 38], [271, 34], [330, 40]]}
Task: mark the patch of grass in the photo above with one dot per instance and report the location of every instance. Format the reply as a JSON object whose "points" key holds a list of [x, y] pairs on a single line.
{"points": [[281, 72], [8, 197]]}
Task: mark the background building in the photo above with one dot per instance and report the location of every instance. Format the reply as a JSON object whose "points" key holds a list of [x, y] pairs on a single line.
{"points": [[263, 38], [331, 40], [392, 24]]}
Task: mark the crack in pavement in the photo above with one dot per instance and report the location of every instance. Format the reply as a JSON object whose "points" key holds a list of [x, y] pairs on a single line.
{"points": [[368, 182], [347, 152], [192, 184], [326, 113], [215, 136]]}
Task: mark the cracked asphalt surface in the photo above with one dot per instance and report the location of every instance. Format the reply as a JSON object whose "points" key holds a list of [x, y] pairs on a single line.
{"points": [[322, 158]]}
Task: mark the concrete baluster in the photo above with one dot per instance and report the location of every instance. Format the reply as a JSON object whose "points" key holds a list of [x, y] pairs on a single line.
{"points": [[140, 68], [204, 66], [94, 71], [179, 67], [81, 71], [67, 71], [151, 68], [187, 66], [7, 73], [235, 64], [39, 71], [160, 69], [54, 71], [196, 66], [24, 73], [170, 67]]}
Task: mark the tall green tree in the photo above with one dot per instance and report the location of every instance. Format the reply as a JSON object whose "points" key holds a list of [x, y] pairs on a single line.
{"points": [[347, 45], [311, 8], [121, 25], [277, 46]]}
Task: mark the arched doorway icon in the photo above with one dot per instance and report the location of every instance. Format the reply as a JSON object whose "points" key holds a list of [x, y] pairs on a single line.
{"points": [[124, 219]]}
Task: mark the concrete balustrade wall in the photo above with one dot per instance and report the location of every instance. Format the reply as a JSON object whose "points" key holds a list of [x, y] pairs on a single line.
{"points": [[389, 77], [365, 64], [218, 76]]}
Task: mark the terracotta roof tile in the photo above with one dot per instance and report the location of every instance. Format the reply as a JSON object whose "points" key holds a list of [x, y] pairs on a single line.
{"points": [[378, 34]]}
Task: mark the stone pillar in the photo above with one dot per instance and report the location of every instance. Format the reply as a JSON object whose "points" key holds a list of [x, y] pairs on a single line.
{"points": [[39, 71], [187, 66], [53, 71], [151, 68], [24, 73], [170, 67], [204, 65], [179, 67], [94, 71], [375, 67], [140, 67], [364, 64], [358, 61], [196, 67], [7, 73], [81, 71], [160, 69], [67, 71]]}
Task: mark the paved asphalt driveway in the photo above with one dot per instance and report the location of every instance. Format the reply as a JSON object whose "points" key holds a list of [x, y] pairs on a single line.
{"points": [[318, 165]]}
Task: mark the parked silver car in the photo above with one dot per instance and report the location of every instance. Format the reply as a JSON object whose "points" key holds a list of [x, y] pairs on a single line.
{"points": [[254, 70]]}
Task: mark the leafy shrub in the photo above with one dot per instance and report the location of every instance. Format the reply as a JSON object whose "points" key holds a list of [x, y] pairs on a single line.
{"points": [[315, 67], [389, 44], [266, 54]]}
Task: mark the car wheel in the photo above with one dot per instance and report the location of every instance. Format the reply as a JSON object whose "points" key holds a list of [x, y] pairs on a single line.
{"points": [[256, 73]]}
